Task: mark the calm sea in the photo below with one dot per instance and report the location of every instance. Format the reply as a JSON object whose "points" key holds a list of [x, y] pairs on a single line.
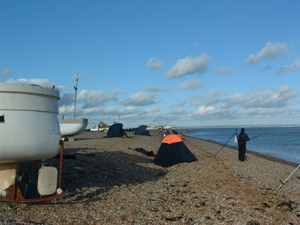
{"points": [[279, 142]]}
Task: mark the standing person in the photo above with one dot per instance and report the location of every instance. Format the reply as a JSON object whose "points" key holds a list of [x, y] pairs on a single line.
{"points": [[242, 139]]}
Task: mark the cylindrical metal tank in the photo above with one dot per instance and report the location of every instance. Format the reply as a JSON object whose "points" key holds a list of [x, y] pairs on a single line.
{"points": [[29, 127]]}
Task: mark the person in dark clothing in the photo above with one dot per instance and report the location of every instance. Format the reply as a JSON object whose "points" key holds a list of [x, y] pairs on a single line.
{"points": [[242, 139], [123, 133]]}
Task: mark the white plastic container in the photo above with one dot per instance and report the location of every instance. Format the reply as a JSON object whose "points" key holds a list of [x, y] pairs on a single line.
{"points": [[29, 127]]}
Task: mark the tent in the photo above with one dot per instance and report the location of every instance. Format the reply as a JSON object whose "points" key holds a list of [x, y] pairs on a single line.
{"points": [[142, 130], [173, 151], [114, 130]]}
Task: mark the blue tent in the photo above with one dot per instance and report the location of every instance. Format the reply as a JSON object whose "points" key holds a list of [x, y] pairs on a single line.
{"points": [[115, 130], [142, 130]]}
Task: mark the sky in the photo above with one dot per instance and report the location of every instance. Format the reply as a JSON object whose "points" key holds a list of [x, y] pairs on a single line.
{"points": [[183, 63]]}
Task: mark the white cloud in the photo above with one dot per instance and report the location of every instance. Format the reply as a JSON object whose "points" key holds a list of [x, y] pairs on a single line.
{"points": [[6, 71], [278, 98], [141, 99], [154, 64], [214, 106], [188, 66], [210, 112], [207, 102], [176, 115], [214, 93], [178, 112], [91, 99], [153, 109], [193, 84], [262, 111], [67, 100], [128, 110], [217, 113], [42, 82], [110, 112], [181, 102], [118, 91], [132, 116], [270, 51], [208, 99], [266, 68], [153, 88], [264, 103], [66, 110], [224, 70], [291, 68]]}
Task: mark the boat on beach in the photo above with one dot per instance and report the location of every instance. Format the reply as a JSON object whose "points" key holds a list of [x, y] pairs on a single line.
{"points": [[75, 126], [71, 127]]}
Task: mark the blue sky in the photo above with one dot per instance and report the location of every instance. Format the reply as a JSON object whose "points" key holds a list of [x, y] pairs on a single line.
{"points": [[185, 63]]}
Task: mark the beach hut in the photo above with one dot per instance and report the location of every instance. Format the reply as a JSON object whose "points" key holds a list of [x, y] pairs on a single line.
{"points": [[142, 130], [173, 151]]}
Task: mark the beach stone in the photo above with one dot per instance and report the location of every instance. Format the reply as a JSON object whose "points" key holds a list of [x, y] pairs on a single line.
{"points": [[115, 185]]}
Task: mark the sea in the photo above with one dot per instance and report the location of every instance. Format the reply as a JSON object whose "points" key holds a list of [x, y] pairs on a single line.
{"points": [[278, 142]]}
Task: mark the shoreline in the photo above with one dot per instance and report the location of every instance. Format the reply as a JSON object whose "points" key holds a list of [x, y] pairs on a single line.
{"points": [[267, 157]]}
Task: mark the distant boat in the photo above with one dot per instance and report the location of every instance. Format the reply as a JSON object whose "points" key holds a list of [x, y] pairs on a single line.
{"points": [[72, 127], [152, 126], [100, 128], [165, 127]]}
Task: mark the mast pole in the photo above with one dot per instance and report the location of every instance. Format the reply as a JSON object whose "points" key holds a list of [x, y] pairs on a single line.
{"points": [[75, 88]]}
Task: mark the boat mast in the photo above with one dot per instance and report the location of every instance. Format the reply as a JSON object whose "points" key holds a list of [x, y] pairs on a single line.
{"points": [[75, 88]]}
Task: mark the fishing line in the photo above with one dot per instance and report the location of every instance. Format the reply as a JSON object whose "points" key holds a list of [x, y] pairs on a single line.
{"points": [[257, 136], [255, 144]]}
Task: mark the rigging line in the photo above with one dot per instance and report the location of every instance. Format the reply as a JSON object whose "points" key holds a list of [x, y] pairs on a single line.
{"points": [[75, 88], [224, 144]]}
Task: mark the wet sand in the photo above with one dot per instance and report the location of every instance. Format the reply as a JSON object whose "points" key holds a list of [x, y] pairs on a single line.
{"points": [[111, 183]]}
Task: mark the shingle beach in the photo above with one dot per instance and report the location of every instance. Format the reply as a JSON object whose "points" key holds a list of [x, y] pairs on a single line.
{"points": [[111, 183]]}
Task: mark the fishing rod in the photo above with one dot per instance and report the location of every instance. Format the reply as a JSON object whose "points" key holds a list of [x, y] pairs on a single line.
{"points": [[258, 135], [224, 144], [283, 183]]}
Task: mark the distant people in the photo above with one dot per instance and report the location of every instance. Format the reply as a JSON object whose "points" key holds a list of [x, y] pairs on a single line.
{"points": [[242, 139], [123, 133], [175, 132]]}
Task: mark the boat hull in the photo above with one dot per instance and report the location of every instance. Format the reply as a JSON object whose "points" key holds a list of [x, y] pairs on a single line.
{"points": [[29, 128], [71, 127]]}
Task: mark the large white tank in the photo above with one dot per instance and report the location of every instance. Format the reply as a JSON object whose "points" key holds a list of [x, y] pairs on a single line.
{"points": [[29, 127]]}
